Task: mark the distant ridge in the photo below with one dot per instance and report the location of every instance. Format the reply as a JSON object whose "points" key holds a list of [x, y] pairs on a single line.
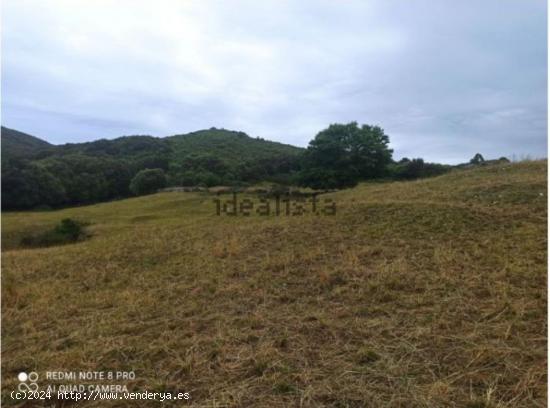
{"points": [[20, 145], [37, 173], [235, 146]]}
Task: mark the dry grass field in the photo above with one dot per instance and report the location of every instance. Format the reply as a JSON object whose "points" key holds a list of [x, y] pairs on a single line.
{"points": [[428, 293]]}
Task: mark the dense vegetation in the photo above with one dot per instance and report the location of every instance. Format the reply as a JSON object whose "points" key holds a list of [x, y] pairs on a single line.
{"points": [[18, 144], [36, 174], [220, 157]]}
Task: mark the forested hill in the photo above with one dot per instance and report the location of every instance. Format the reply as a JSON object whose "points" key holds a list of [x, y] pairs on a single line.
{"points": [[232, 146], [36, 173], [19, 144]]}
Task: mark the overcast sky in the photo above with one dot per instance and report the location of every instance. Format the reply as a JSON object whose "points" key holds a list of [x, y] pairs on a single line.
{"points": [[444, 78]]}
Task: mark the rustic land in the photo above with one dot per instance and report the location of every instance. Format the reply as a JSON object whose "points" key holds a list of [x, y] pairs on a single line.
{"points": [[428, 293]]}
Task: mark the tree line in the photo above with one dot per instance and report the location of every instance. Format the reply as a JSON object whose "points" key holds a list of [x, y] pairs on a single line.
{"points": [[338, 157]]}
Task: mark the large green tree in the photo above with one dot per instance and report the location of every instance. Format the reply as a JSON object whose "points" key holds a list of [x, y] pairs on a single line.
{"points": [[344, 154]]}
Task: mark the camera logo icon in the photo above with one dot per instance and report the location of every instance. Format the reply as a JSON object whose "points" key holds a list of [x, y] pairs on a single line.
{"points": [[27, 382]]}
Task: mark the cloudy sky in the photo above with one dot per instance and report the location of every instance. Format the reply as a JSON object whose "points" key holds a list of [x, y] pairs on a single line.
{"points": [[444, 78]]}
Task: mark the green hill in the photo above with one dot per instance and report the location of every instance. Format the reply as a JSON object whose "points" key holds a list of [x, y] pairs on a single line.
{"points": [[233, 147], [17, 144], [230, 146], [428, 293], [78, 173]]}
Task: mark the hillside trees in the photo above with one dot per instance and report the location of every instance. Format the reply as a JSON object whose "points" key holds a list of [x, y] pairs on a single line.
{"points": [[63, 180], [407, 169], [90, 179], [148, 181], [200, 169], [37, 174], [20, 145], [28, 185], [82, 173]]}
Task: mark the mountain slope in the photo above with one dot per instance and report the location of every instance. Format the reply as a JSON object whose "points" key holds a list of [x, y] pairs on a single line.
{"points": [[17, 144], [121, 147], [230, 146], [428, 293], [78, 173], [234, 147]]}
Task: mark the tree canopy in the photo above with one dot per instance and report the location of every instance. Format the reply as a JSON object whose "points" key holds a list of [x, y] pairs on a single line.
{"points": [[343, 154], [148, 181], [37, 174]]}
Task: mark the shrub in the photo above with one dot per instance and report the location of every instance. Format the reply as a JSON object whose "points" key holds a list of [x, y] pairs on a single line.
{"points": [[69, 228], [66, 232]]}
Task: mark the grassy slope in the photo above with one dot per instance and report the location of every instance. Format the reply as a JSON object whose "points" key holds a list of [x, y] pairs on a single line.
{"points": [[417, 294]]}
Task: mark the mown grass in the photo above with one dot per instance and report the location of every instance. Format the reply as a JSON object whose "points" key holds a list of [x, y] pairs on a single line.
{"points": [[428, 293]]}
